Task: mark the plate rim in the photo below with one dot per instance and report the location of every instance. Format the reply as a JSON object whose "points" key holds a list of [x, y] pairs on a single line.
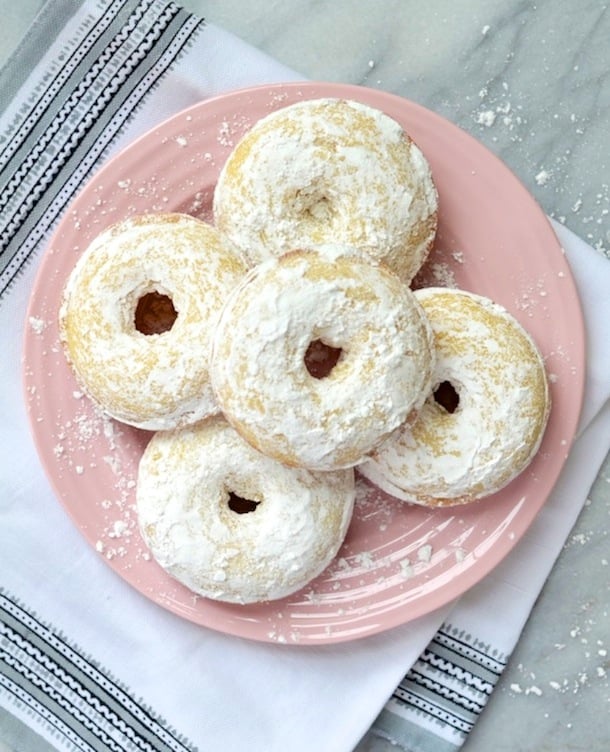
{"points": [[307, 90]]}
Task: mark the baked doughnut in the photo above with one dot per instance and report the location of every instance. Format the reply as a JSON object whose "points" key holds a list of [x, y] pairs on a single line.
{"points": [[473, 440], [329, 171], [288, 315], [136, 314], [232, 524]]}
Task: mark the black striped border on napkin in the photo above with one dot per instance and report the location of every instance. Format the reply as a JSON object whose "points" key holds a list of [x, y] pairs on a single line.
{"points": [[82, 96], [438, 702], [77, 701]]}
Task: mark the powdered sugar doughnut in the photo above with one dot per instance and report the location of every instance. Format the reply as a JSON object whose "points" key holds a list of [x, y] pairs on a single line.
{"points": [[291, 310], [137, 313], [232, 524], [329, 171], [495, 377]]}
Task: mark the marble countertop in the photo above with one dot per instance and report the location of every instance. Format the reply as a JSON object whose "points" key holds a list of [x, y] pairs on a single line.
{"points": [[532, 82]]}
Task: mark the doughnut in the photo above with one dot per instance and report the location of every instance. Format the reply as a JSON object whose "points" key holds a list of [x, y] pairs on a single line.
{"points": [[136, 318], [329, 171], [318, 355], [484, 420], [231, 524]]}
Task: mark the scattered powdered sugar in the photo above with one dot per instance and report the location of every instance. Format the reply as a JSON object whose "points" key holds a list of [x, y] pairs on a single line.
{"points": [[587, 672], [500, 116], [531, 690], [293, 636], [406, 569], [497, 109], [531, 295], [118, 529], [88, 440], [373, 506], [440, 269], [229, 132], [37, 325], [543, 177], [121, 525], [486, 118], [365, 560], [224, 134], [443, 275]]}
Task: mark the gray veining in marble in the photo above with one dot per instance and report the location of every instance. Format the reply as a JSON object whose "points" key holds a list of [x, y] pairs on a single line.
{"points": [[531, 80]]}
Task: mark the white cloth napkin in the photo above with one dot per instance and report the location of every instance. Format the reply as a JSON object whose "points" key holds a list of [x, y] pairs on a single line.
{"points": [[86, 662]]}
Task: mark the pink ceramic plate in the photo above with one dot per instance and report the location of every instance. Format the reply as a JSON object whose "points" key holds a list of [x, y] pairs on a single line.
{"points": [[399, 561]]}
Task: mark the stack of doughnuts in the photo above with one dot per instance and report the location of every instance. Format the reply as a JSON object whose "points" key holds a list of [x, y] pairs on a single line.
{"points": [[278, 350]]}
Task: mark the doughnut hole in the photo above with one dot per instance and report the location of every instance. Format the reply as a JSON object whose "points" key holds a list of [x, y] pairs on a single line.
{"points": [[447, 397], [312, 205], [240, 505], [320, 209], [155, 313], [320, 358]]}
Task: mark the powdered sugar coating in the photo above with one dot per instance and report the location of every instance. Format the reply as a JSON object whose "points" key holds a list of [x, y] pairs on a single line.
{"points": [[449, 458], [335, 295], [329, 170], [184, 481], [152, 381]]}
